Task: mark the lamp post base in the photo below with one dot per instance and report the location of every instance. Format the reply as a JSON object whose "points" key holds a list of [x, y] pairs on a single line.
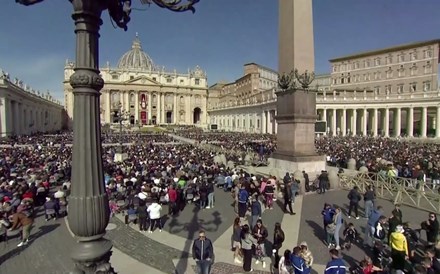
{"points": [[93, 257]]}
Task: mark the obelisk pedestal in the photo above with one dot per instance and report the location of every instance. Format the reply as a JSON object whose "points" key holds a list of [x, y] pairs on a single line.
{"points": [[296, 105]]}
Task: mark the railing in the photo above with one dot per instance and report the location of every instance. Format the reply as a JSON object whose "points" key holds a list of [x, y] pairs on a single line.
{"points": [[398, 190]]}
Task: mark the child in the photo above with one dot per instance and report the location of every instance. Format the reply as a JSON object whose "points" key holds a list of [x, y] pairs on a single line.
{"points": [[351, 235]]}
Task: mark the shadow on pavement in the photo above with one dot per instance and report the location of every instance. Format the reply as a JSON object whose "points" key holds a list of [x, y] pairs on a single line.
{"points": [[16, 251]]}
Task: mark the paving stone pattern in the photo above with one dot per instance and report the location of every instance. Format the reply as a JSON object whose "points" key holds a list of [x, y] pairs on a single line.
{"points": [[144, 249], [225, 268], [47, 253]]}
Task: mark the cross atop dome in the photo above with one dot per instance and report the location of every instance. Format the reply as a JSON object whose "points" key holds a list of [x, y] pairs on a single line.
{"points": [[136, 42]]}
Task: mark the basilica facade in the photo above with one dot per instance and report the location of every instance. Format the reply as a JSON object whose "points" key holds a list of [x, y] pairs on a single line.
{"points": [[143, 93]]}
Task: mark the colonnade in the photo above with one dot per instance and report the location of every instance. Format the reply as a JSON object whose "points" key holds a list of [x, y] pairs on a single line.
{"points": [[420, 121], [252, 121], [19, 118]]}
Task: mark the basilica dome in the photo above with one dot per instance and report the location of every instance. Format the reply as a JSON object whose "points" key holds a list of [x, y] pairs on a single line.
{"points": [[136, 58]]}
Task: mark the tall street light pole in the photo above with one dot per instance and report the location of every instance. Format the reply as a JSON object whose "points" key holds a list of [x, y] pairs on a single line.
{"points": [[88, 204]]}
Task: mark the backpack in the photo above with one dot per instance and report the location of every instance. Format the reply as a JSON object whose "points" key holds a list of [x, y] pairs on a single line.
{"points": [[268, 189], [242, 196]]}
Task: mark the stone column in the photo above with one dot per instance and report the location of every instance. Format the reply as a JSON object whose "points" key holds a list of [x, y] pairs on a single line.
{"points": [[137, 119], [365, 122], [188, 113], [334, 124], [149, 107], [3, 117], [410, 122], [175, 109], [324, 118], [387, 122], [375, 122], [263, 122], [354, 123], [108, 114], [162, 107], [89, 211], [158, 108], [437, 123], [424, 122], [397, 122], [344, 122], [128, 101]]}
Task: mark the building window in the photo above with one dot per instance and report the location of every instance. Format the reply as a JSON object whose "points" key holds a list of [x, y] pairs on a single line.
{"points": [[335, 68], [401, 71], [356, 65], [413, 70], [365, 77], [427, 86], [400, 88], [413, 87], [115, 77], [376, 75], [401, 58], [388, 89], [169, 80], [131, 77], [334, 81], [377, 62], [181, 81], [413, 56], [428, 53], [389, 73], [377, 90], [366, 63], [389, 59], [428, 67], [342, 79], [348, 78], [154, 79], [197, 81]]}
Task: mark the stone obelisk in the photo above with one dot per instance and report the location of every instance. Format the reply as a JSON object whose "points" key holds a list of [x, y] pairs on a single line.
{"points": [[296, 106]]}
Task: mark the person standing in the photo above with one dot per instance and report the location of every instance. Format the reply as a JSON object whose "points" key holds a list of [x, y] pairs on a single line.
{"points": [[327, 215], [307, 255], [210, 195], [203, 253], [371, 225], [255, 211], [260, 234], [243, 197], [354, 198], [369, 198], [399, 249], [172, 200], [298, 262], [236, 240], [285, 265], [306, 181], [278, 239], [397, 212], [338, 221], [336, 264], [154, 210], [142, 214], [246, 247], [294, 189], [432, 228], [323, 181]]}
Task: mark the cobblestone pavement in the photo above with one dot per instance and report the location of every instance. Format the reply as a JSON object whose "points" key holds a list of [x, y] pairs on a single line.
{"points": [[311, 229], [47, 253], [143, 249], [225, 268]]}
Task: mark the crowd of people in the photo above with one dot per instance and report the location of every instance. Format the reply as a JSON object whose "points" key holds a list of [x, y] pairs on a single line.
{"points": [[35, 175]]}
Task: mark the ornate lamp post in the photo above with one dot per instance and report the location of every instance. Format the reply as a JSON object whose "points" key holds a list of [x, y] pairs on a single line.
{"points": [[88, 205]]}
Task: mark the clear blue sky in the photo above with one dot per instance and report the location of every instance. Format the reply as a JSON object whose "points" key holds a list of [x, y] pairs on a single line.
{"points": [[220, 37]]}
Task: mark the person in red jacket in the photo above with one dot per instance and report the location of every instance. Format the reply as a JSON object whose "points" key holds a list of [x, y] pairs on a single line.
{"points": [[172, 199], [28, 195]]}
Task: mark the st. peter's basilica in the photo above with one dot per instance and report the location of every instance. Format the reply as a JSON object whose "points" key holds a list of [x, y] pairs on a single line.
{"points": [[146, 94]]}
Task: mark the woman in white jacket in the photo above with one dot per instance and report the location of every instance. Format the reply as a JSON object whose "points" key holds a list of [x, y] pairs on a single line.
{"points": [[154, 211], [284, 265]]}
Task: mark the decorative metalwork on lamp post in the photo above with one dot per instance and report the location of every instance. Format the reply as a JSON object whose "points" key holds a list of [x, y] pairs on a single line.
{"points": [[88, 205], [288, 82]]}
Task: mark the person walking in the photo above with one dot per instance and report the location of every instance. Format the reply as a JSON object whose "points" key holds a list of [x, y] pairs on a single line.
{"points": [[294, 189], [354, 198], [203, 253], [371, 225], [287, 194], [306, 181], [25, 220], [155, 210], [246, 247], [236, 240], [260, 234]]}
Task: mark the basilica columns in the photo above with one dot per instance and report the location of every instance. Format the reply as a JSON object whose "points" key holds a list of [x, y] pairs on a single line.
{"points": [[365, 122], [410, 122], [424, 122], [354, 122], [397, 122], [437, 123]]}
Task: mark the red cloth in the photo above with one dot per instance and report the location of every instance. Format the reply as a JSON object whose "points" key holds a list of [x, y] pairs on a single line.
{"points": [[172, 195], [28, 195]]}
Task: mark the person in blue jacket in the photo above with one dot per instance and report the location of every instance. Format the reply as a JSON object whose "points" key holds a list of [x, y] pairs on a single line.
{"points": [[298, 263], [336, 264]]}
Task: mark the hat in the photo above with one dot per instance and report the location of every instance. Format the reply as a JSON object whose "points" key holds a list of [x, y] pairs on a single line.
{"points": [[400, 229], [303, 244]]}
